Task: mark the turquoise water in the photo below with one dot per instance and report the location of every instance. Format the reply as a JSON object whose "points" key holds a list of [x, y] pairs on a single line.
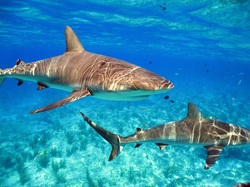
{"points": [[203, 47]]}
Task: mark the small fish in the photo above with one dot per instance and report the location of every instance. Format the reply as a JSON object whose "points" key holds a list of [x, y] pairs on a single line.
{"points": [[239, 82], [146, 110], [40, 154], [166, 97], [162, 7], [172, 101]]}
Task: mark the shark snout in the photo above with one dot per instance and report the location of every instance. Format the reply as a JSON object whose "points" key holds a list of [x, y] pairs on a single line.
{"points": [[145, 80], [166, 85]]}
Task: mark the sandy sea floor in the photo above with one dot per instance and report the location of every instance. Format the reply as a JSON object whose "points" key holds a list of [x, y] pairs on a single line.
{"points": [[57, 148]]}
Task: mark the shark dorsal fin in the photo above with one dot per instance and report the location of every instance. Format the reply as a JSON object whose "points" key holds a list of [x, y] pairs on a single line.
{"points": [[72, 41], [193, 112]]}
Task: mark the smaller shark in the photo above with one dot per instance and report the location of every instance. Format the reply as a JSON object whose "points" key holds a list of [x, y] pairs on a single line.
{"points": [[193, 130]]}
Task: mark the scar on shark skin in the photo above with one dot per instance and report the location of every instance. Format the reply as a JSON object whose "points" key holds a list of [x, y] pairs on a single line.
{"points": [[87, 74], [213, 135]]}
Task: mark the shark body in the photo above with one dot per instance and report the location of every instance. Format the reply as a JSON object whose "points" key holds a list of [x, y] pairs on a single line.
{"points": [[87, 74], [193, 130]]}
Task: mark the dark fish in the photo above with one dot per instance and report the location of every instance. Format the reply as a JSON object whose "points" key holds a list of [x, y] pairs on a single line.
{"points": [[166, 97], [172, 101], [162, 7]]}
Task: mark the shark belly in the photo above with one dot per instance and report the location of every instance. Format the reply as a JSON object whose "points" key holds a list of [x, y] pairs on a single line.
{"points": [[122, 95]]}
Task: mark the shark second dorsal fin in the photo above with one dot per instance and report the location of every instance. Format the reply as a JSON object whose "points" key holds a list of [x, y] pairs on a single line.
{"points": [[72, 41], [193, 112]]}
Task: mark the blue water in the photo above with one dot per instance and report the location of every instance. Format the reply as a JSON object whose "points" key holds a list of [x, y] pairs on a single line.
{"points": [[203, 47]]}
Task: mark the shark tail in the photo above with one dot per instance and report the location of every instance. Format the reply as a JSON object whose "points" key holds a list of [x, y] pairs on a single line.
{"points": [[1, 78], [113, 139]]}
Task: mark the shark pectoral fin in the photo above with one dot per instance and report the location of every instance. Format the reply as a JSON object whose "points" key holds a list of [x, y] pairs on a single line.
{"points": [[162, 146], [213, 153], [72, 97]]}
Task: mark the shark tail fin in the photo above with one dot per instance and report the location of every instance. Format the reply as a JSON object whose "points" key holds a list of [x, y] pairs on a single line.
{"points": [[1, 78], [113, 139]]}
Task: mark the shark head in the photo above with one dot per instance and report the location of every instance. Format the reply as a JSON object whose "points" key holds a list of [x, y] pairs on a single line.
{"points": [[145, 80], [143, 83], [125, 81]]}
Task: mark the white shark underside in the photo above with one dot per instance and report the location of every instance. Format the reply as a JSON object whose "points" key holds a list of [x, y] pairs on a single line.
{"points": [[87, 74], [193, 130]]}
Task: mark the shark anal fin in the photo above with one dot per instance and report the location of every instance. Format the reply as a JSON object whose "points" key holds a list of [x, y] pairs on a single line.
{"points": [[162, 146], [213, 153], [138, 145], [75, 95], [41, 86]]}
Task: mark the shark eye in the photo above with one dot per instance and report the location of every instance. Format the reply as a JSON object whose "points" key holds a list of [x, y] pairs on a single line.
{"points": [[134, 87], [103, 63]]}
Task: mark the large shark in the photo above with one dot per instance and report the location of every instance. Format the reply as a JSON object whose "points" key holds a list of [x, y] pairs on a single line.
{"points": [[193, 130], [87, 74]]}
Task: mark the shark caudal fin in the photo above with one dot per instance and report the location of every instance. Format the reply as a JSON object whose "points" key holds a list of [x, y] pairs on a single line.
{"points": [[113, 139], [1, 78]]}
